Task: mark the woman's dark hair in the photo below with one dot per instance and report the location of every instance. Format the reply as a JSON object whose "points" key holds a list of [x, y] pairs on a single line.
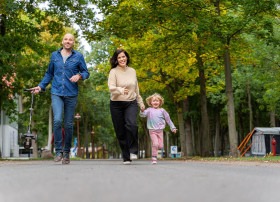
{"points": [[114, 59]]}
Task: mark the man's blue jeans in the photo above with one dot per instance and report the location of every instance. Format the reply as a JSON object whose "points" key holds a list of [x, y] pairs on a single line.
{"points": [[60, 104]]}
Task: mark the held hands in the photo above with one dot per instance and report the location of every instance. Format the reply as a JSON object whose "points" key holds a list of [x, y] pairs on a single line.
{"points": [[75, 78], [174, 130], [36, 90], [142, 109]]}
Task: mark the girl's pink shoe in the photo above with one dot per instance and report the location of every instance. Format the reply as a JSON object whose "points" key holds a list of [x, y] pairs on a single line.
{"points": [[154, 160]]}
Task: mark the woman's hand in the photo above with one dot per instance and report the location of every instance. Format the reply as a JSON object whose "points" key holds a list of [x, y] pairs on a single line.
{"points": [[126, 91], [142, 109]]}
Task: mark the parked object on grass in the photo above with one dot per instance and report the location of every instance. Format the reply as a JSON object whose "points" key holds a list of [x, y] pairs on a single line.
{"points": [[259, 142], [29, 136]]}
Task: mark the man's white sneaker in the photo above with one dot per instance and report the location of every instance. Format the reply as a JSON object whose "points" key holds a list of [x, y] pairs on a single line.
{"points": [[126, 163], [133, 156]]}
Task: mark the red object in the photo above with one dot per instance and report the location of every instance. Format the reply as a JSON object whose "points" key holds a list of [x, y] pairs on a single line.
{"points": [[273, 146], [63, 136]]}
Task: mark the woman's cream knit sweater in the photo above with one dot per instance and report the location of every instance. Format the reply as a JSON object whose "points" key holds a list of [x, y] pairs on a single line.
{"points": [[121, 77]]}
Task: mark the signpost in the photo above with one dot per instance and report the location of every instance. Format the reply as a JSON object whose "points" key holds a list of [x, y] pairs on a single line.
{"points": [[174, 150]]}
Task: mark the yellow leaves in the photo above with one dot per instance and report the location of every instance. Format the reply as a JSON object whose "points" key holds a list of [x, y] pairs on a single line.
{"points": [[118, 42], [103, 68], [150, 84], [223, 12], [162, 62], [156, 78], [194, 37], [191, 61], [183, 93], [101, 88], [216, 88]]}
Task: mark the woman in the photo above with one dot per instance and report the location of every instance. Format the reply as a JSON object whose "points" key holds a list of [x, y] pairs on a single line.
{"points": [[124, 102]]}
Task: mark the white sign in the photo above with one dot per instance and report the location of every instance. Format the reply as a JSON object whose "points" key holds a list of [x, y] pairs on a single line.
{"points": [[174, 150]]}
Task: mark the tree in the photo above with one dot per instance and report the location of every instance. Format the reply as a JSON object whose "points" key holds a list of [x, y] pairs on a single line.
{"points": [[20, 21]]}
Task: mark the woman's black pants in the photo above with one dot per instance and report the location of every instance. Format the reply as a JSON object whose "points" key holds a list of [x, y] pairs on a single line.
{"points": [[124, 117]]}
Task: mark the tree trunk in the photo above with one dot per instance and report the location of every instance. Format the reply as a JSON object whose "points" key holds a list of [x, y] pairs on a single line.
{"points": [[198, 138], [103, 151], [222, 142], [181, 129], [229, 92], [195, 149], [250, 108], [147, 139], [272, 118], [2, 24], [217, 135], [182, 132], [188, 129], [92, 145], [86, 137], [205, 141], [230, 104], [217, 5]]}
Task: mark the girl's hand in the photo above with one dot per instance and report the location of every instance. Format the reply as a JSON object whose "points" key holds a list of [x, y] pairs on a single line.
{"points": [[174, 130]]}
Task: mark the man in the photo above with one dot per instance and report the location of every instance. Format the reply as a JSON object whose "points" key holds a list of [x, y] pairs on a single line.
{"points": [[66, 68]]}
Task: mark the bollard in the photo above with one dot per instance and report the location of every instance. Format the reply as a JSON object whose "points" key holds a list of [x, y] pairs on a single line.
{"points": [[273, 146]]}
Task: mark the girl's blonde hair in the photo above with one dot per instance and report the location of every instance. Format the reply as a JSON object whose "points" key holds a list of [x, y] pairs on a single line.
{"points": [[157, 96]]}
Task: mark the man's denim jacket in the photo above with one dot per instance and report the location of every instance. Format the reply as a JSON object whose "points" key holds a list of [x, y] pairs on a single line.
{"points": [[61, 72]]}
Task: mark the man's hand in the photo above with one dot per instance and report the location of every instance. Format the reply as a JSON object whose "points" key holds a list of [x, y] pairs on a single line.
{"points": [[142, 109], [75, 78], [36, 90]]}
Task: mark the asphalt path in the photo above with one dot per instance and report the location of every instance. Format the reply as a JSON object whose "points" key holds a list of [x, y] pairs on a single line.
{"points": [[111, 181]]}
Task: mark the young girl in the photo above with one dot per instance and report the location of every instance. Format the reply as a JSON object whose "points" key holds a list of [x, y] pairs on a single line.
{"points": [[157, 117]]}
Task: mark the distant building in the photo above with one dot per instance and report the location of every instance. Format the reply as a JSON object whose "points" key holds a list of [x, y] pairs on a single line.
{"points": [[9, 135]]}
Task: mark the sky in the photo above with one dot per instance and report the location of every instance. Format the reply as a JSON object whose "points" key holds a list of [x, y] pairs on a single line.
{"points": [[82, 40]]}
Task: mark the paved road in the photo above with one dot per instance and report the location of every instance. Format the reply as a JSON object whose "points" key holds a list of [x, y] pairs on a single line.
{"points": [[110, 181]]}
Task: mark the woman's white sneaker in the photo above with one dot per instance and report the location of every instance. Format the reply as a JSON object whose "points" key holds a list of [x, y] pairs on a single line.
{"points": [[133, 156], [126, 163]]}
